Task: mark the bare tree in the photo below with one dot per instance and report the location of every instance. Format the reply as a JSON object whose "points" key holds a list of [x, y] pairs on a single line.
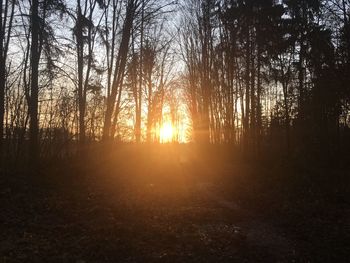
{"points": [[7, 10], [120, 64]]}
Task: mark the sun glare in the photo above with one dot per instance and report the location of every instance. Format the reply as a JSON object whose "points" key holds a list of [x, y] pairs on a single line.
{"points": [[166, 133]]}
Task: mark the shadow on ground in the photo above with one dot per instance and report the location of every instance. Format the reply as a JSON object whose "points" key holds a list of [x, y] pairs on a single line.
{"points": [[166, 204]]}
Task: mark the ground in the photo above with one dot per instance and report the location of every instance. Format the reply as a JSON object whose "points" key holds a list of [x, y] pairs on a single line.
{"points": [[171, 204]]}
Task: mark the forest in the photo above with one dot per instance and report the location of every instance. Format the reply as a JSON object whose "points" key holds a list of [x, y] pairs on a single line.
{"points": [[175, 130]]}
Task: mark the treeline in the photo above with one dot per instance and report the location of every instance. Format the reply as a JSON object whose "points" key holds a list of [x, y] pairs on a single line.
{"points": [[73, 72], [257, 73], [269, 73]]}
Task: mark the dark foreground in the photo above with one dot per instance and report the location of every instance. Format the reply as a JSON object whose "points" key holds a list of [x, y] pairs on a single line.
{"points": [[174, 204]]}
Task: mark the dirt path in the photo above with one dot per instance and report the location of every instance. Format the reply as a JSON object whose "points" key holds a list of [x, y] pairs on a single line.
{"points": [[255, 230]]}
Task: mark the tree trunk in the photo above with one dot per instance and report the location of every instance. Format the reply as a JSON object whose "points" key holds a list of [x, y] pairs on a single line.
{"points": [[139, 106], [247, 93], [34, 88], [119, 67], [80, 58], [2, 79], [4, 43]]}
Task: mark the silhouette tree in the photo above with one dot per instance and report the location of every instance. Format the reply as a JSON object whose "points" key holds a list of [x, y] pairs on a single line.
{"points": [[7, 11], [120, 64]]}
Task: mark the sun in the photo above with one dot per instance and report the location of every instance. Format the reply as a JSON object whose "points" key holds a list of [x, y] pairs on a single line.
{"points": [[166, 133]]}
